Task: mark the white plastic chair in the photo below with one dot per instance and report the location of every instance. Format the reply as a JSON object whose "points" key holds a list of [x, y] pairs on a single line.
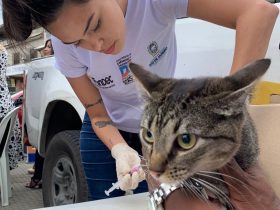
{"points": [[6, 127]]}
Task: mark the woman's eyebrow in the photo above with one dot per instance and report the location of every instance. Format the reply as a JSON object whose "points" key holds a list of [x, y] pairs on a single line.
{"points": [[86, 28]]}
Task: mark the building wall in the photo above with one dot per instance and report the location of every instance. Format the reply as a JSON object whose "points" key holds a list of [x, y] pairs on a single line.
{"points": [[23, 53]]}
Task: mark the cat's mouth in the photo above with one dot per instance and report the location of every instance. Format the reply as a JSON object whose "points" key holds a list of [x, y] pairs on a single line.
{"points": [[162, 177], [159, 176], [176, 175]]}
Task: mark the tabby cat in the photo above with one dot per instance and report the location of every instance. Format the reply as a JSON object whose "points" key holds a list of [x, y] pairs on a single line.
{"points": [[192, 127]]}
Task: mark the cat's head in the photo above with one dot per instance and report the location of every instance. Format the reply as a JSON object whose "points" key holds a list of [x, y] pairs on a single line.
{"points": [[190, 125]]}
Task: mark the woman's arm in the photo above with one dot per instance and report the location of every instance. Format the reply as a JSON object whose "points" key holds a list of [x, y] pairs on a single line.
{"points": [[249, 190], [92, 101], [126, 157], [252, 19]]}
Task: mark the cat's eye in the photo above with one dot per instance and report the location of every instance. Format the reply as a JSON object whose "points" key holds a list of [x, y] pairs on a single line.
{"points": [[186, 141], [147, 135]]}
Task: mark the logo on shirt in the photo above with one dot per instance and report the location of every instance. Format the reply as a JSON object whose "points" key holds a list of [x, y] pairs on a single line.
{"points": [[104, 83], [122, 63], [156, 52]]}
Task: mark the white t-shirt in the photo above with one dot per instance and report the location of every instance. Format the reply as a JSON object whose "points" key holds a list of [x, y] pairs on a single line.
{"points": [[150, 42]]}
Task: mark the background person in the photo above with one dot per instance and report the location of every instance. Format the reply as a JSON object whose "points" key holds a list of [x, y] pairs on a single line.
{"points": [[48, 49], [15, 150]]}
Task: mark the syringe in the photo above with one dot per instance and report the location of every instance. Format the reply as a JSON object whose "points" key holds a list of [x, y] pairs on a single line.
{"points": [[116, 185]]}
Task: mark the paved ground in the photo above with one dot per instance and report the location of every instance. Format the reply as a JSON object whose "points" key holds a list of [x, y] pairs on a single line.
{"points": [[23, 198]]}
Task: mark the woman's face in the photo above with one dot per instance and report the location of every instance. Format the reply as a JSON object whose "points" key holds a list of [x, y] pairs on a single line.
{"points": [[48, 49], [97, 25]]}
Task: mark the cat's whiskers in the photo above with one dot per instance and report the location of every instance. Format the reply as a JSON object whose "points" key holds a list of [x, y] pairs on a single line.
{"points": [[189, 185], [204, 193], [247, 187], [189, 191], [192, 191], [185, 191], [210, 173], [145, 166], [217, 192], [151, 183], [221, 180], [215, 178], [230, 177]]}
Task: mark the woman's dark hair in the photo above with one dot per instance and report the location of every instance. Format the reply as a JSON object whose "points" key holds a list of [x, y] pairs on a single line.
{"points": [[46, 42], [21, 16]]}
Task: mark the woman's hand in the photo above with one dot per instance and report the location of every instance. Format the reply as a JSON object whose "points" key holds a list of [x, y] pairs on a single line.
{"points": [[249, 190], [126, 160]]}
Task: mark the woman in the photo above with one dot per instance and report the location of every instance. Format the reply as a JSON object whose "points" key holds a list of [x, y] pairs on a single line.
{"points": [[48, 49], [15, 151], [94, 41]]}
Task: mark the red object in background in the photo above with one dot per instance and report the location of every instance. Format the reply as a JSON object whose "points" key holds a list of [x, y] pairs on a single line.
{"points": [[17, 95]]}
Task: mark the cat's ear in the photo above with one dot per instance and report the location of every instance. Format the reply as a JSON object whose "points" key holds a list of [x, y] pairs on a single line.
{"points": [[149, 82], [244, 80], [240, 87], [248, 75]]}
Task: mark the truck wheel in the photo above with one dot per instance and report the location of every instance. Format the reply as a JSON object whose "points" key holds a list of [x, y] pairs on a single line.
{"points": [[63, 174]]}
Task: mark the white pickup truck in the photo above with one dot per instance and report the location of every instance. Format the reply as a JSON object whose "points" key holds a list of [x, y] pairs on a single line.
{"points": [[53, 114]]}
